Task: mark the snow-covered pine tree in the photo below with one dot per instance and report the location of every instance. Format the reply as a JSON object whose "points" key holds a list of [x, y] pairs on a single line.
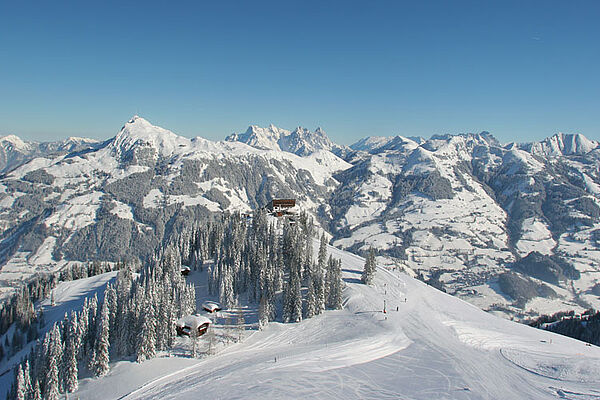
{"points": [[37, 393], [263, 312], [27, 379], [70, 367], [370, 268], [146, 347], [91, 334], [110, 297], [295, 298], [311, 299], [226, 295], [20, 389], [102, 341], [51, 385], [334, 282], [321, 287]]}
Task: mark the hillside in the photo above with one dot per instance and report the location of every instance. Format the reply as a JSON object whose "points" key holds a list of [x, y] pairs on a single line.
{"points": [[510, 228], [434, 346]]}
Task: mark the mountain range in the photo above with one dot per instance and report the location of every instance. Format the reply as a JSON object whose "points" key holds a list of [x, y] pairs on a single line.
{"points": [[512, 228]]}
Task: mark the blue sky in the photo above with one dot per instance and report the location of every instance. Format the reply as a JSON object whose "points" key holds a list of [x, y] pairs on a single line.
{"points": [[521, 70]]}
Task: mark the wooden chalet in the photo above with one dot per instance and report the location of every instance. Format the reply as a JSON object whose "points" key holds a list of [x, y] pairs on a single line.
{"points": [[185, 325]]}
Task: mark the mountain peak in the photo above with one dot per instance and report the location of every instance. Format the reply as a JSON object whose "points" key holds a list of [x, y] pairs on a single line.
{"points": [[561, 144], [15, 141], [139, 133]]}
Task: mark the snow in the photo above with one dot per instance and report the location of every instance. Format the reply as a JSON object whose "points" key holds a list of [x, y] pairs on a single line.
{"points": [[77, 212], [68, 296], [192, 321], [434, 346], [138, 131], [16, 142], [155, 197], [535, 236], [122, 210], [563, 144]]}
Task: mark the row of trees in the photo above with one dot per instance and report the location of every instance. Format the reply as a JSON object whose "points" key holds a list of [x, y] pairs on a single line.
{"points": [[135, 317], [584, 327]]}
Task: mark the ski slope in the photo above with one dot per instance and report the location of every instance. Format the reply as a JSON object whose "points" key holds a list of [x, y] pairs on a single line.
{"points": [[434, 346]]}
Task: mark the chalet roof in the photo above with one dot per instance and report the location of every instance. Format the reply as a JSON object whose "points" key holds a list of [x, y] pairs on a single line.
{"points": [[192, 321], [211, 305]]}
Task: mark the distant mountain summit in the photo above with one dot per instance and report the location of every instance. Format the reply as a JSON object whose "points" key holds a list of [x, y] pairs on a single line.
{"points": [[14, 151], [561, 144], [300, 141]]}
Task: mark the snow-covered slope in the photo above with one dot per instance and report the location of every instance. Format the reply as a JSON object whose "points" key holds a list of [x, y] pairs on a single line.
{"points": [[427, 345]]}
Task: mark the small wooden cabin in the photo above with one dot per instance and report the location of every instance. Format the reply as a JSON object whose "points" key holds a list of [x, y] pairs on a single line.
{"points": [[185, 325]]}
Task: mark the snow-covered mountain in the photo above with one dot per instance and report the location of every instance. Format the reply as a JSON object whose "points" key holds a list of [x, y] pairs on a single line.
{"points": [[465, 212], [123, 198], [300, 141], [561, 144], [14, 151], [511, 228]]}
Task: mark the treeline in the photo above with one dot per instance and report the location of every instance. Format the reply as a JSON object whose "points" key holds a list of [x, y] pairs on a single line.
{"points": [[271, 263], [584, 327], [19, 308], [134, 318]]}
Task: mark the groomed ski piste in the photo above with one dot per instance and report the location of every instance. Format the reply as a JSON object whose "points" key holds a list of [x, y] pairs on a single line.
{"points": [[427, 345]]}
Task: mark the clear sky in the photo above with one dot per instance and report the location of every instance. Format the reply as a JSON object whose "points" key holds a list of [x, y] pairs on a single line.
{"points": [[522, 70]]}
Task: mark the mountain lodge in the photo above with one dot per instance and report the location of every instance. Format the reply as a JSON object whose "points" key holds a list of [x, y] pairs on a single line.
{"points": [[281, 207]]}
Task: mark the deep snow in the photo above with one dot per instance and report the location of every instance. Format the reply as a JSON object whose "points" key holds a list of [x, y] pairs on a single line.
{"points": [[434, 346]]}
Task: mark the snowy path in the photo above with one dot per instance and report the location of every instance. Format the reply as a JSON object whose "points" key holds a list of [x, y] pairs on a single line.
{"points": [[434, 346]]}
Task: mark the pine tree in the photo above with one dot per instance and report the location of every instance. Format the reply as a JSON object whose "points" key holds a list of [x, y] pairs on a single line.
{"points": [[334, 282], [102, 341], [27, 379], [146, 348], [37, 393], [370, 268], [70, 357], [20, 390], [51, 386], [311, 300]]}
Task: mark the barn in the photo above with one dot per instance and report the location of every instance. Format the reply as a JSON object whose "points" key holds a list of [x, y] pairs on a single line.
{"points": [[185, 325]]}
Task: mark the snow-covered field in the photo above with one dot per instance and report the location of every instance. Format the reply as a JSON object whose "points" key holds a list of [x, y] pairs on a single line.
{"points": [[426, 345]]}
